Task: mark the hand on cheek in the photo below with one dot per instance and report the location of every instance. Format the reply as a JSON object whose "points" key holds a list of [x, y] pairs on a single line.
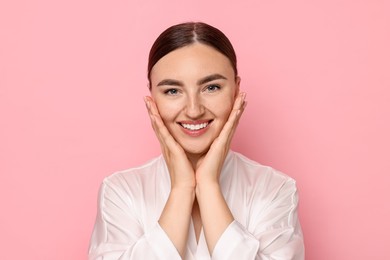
{"points": [[215, 213], [180, 169], [210, 165]]}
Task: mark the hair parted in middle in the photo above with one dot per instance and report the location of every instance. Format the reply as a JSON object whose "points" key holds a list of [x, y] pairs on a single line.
{"points": [[184, 34]]}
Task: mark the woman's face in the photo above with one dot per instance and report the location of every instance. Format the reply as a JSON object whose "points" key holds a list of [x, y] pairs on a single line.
{"points": [[194, 88]]}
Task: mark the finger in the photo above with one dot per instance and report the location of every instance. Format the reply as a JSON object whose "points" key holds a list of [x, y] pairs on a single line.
{"points": [[164, 136], [160, 126], [152, 116], [234, 117]]}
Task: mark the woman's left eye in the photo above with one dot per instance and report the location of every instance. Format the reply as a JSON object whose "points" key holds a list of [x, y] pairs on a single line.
{"points": [[212, 88]]}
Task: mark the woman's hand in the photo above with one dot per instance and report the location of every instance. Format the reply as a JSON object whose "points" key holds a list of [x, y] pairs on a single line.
{"points": [[176, 215], [180, 169], [209, 167], [215, 213]]}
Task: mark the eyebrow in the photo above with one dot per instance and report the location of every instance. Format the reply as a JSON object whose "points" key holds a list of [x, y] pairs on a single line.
{"points": [[173, 82], [210, 78]]}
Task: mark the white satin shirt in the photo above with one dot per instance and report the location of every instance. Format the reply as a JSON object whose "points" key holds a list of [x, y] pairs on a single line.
{"points": [[262, 200]]}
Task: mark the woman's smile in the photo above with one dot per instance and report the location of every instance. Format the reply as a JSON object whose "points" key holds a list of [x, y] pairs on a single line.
{"points": [[194, 88], [195, 128]]}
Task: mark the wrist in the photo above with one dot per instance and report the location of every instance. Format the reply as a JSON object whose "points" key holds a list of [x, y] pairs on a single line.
{"points": [[183, 186], [183, 192], [207, 187]]}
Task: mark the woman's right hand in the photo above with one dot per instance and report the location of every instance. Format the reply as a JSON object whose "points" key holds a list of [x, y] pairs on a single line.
{"points": [[176, 215], [180, 169]]}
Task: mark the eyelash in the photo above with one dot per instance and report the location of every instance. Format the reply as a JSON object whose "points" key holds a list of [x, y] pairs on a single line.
{"points": [[214, 86], [169, 92], [208, 88]]}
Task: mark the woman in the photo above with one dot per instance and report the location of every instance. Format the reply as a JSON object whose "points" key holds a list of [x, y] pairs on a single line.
{"points": [[199, 200]]}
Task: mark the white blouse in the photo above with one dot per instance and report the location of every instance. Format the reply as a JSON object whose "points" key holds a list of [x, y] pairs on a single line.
{"points": [[262, 200]]}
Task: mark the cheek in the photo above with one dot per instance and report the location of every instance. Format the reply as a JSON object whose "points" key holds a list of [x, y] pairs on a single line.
{"points": [[167, 111], [224, 108], [226, 112]]}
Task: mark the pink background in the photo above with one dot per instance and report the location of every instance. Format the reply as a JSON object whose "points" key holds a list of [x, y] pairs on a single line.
{"points": [[72, 79]]}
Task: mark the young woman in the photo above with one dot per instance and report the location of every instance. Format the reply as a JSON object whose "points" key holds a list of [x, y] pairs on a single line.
{"points": [[199, 200]]}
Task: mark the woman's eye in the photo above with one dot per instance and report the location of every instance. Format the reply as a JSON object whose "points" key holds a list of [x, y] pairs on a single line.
{"points": [[171, 91], [212, 88]]}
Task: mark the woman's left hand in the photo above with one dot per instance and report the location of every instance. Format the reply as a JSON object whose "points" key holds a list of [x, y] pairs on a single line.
{"points": [[214, 211], [209, 167]]}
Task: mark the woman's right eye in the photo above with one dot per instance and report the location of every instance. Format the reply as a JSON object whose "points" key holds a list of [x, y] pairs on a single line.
{"points": [[171, 91]]}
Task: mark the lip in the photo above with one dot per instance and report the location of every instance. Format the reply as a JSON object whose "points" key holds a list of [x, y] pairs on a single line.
{"points": [[195, 133]]}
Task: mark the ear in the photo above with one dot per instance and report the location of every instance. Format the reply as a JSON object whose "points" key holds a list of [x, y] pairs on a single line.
{"points": [[238, 81]]}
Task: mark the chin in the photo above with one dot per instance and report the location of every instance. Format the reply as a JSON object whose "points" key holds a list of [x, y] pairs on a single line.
{"points": [[196, 146], [195, 150]]}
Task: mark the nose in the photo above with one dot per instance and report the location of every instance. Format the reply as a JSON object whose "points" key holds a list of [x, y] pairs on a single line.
{"points": [[194, 107]]}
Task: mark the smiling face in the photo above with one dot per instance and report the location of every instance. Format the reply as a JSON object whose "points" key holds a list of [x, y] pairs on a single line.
{"points": [[194, 88]]}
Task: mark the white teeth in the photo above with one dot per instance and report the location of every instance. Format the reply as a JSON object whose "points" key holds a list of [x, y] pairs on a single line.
{"points": [[194, 127]]}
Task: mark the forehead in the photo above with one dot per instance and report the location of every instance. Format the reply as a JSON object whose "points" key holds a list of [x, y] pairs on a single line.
{"points": [[192, 62]]}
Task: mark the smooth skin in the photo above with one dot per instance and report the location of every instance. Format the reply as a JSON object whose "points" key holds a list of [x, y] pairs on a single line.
{"points": [[192, 85]]}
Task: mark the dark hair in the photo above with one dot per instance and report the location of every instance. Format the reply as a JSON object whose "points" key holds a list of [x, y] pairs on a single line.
{"points": [[184, 34]]}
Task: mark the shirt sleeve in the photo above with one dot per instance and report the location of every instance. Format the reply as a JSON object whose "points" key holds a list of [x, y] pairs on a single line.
{"points": [[118, 234], [275, 232]]}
